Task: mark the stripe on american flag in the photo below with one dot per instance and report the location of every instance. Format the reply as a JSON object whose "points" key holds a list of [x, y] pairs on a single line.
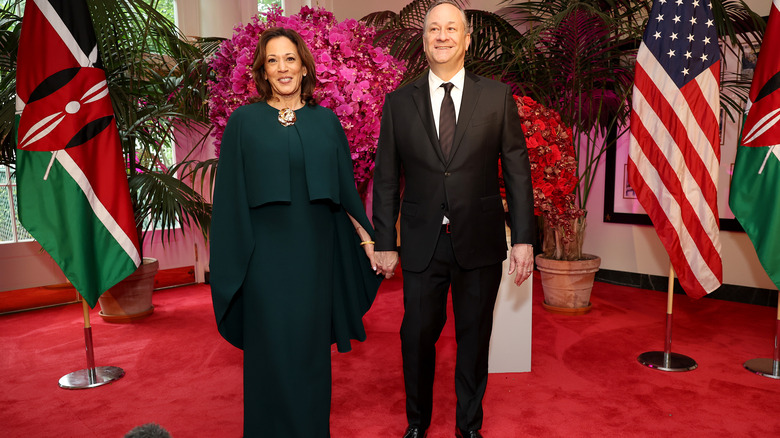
{"points": [[674, 153]]}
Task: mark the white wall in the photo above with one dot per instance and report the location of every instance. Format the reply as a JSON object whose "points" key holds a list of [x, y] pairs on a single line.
{"points": [[24, 265], [760, 7], [213, 18]]}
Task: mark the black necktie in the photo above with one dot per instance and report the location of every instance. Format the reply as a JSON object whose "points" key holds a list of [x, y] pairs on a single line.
{"points": [[446, 121]]}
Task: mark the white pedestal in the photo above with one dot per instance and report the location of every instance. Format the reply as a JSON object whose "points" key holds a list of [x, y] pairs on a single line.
{"points": [[510, 343]]}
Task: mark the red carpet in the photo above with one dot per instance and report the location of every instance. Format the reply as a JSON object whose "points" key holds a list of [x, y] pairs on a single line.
{"points": [[585, 382]]}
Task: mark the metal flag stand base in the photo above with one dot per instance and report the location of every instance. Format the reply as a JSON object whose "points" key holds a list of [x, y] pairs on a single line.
{"points": [[92, 376], [666, 360], [768, 367], [764, 367]]}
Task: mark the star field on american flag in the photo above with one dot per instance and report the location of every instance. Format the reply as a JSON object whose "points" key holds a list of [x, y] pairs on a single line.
{"points": [[682, 36]]}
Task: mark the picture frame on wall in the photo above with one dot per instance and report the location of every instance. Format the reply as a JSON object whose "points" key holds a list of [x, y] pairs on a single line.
{"points": [[622, 206], [747, 62], [628, 191]]}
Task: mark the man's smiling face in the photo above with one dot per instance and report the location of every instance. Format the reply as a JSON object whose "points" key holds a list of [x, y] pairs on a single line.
{"points": [[445, 41]]}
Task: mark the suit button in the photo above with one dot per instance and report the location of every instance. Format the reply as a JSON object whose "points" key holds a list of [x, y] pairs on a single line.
{"points": [[442, 206], [447, 173]]}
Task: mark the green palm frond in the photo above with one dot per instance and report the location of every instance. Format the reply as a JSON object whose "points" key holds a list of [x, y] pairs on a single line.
{"points": [[10, 28], [379, 19], [491, 48], [402, 34], [734, 19], [200, 174], [580, 67], [165, 202]]}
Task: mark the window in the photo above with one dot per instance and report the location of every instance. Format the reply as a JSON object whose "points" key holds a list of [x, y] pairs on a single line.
{"points": [[165, 7], [11, 230], [264, 5]]}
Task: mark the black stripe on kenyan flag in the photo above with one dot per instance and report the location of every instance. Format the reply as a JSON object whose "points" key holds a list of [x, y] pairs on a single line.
{"points": [[78, 20]]}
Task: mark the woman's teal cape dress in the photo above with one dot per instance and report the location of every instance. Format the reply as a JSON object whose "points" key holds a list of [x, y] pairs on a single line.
{"points": [[288, 275]]}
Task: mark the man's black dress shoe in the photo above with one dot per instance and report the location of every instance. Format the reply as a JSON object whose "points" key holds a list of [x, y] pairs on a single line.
{"points": [[467, 434], [415, 432]]}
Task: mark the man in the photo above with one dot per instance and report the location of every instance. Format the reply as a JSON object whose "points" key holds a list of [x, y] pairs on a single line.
{"points": [[452, 218]]}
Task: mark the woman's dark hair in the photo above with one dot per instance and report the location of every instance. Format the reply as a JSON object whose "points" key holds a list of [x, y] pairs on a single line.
{"points": [[308, 82]]}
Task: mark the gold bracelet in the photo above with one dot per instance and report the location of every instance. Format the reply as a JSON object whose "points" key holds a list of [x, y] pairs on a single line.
{"points": [[367, 242]]}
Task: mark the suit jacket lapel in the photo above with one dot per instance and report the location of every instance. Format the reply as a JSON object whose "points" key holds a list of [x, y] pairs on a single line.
{"points": [[471, 90], [422, 99]]}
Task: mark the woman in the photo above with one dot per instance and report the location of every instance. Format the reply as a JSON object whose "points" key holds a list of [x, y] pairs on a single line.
{"points": [[292, 260]]}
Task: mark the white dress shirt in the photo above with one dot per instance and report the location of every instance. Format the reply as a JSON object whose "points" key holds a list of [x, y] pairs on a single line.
{"points": [[437, 93]]}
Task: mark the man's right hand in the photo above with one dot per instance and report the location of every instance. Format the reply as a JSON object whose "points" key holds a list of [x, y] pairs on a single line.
{"points": [[386, 262]]}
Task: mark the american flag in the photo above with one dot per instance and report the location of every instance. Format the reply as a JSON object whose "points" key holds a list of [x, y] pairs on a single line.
{"points": [[675, 144]]}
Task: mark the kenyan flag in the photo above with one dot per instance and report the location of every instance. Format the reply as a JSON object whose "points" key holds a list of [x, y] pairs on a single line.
{"points": [[755, 186], [72, 184]]}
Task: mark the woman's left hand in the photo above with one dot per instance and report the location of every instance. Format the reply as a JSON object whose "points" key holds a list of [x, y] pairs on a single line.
{"points": [[365, 241], [369, 249]]}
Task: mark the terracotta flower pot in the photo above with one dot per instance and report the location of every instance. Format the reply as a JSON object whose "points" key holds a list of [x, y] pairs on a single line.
{"points": [[567, 284], [130, 299]]}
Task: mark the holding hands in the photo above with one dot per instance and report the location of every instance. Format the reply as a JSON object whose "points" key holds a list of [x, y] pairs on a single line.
{"points": [[386, 263]]}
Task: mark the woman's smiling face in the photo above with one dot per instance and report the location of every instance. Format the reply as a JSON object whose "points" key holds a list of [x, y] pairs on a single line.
{"points": [[283, 68]]}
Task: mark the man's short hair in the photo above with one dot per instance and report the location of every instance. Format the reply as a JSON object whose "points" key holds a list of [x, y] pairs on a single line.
{"points": [[466, 24]]}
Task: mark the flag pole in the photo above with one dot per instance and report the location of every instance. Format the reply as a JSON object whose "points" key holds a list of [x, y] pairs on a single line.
{"points": [[91, 376], [666, 360], [768, 367]]}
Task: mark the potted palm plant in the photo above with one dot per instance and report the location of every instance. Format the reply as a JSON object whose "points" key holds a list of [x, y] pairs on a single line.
{"points": [[157, 83], [576, 60], [554, 177]]}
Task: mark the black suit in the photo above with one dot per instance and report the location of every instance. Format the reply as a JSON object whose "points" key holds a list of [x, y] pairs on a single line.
{"points": [[465, 188]]}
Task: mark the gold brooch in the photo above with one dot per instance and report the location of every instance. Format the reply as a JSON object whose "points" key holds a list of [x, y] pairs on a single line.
{"points": [[286, 117]]}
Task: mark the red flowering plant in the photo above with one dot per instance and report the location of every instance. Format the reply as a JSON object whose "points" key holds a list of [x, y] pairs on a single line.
{"points": [[554, 178]]}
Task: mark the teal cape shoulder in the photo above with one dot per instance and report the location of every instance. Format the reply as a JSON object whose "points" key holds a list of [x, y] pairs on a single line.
{"points": [[253, 170]]}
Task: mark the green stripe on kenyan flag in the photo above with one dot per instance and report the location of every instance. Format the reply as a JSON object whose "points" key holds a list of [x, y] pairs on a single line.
{"points": [[755, 201], [58, 214]]}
